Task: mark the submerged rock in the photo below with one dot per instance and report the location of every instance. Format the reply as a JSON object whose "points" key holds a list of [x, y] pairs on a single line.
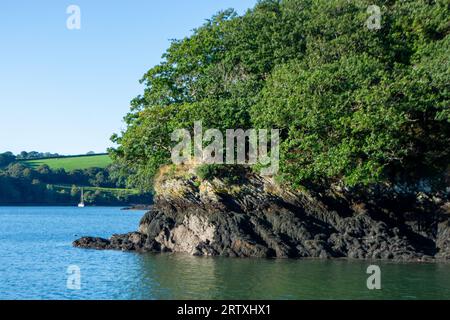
{"points": [[257, 218], [128, 242]]}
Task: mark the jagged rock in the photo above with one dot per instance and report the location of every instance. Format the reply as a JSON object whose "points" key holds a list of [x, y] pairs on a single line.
{"points": [[443, 240], [92, 243], [258, 218], [133, 241]]}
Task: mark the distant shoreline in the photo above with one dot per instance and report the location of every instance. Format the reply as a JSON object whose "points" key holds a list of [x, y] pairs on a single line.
{"points": [[124, 207]]}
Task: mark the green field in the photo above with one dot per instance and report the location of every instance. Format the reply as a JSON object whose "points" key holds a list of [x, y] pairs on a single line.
{"points": [[72, 163]]}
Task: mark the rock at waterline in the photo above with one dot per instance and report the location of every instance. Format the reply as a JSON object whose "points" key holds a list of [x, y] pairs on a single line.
{"points": [[257, 218]]}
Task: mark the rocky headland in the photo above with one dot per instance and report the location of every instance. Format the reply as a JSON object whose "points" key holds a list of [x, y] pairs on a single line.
{"points": [[253, 216]]}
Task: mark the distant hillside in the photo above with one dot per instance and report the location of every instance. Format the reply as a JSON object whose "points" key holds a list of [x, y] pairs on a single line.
{"points": [[57, 180], [71, 163]]}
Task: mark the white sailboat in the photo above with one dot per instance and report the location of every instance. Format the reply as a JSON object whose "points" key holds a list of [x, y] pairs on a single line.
{"points": [[81, 204]]}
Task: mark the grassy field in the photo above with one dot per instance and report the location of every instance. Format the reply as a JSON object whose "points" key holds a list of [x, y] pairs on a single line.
{"points": [[72, 163]]}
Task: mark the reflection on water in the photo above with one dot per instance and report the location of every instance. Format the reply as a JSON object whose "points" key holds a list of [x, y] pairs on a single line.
{"points": [[175, 276], [36, 250]]}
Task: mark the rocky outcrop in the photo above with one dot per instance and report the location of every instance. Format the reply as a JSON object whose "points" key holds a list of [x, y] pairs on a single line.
{"points": [[443, 240], [255, 217]]}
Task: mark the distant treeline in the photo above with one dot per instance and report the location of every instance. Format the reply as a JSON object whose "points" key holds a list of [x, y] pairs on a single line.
{"points": [[8, 157], [24, 155], [20, 184], [97, 177]]}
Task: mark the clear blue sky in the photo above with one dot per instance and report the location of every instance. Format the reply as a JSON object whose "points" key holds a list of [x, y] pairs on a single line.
{"points": [[67, 91]]}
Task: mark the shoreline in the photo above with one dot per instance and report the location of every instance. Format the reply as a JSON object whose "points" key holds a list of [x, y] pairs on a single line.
{"points": [[67, 205], [256, 217], [99, 244]]}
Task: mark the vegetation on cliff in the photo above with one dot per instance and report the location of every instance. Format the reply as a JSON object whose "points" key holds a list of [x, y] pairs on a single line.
{"points": [[354, 105]]}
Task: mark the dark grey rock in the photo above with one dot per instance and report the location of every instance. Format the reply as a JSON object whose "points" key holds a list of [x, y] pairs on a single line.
{"points": [[258, 219]]}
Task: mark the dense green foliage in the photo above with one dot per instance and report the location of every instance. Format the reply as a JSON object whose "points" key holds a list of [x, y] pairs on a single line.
{"points": [[354, 105], [228, 174], [6, 159]]}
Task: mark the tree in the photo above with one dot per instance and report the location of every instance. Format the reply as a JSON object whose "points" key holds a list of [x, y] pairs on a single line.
{"points": [[6, 158], [101, 180], [74, 191], [355, 105], [44, 170], [23, 155]]}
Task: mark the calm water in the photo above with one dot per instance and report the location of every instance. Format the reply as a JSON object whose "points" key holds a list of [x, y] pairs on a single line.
{"points": [[35, 252]]}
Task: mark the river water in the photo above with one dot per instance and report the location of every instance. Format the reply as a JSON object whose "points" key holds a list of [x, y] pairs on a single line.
{"points": [[37, 258]]}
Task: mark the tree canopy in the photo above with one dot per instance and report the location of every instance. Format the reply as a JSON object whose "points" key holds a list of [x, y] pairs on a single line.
{"points": [[354, 105]]}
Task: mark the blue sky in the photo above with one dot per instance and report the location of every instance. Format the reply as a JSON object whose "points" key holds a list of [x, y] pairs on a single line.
{"points": [[67, 91]]}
